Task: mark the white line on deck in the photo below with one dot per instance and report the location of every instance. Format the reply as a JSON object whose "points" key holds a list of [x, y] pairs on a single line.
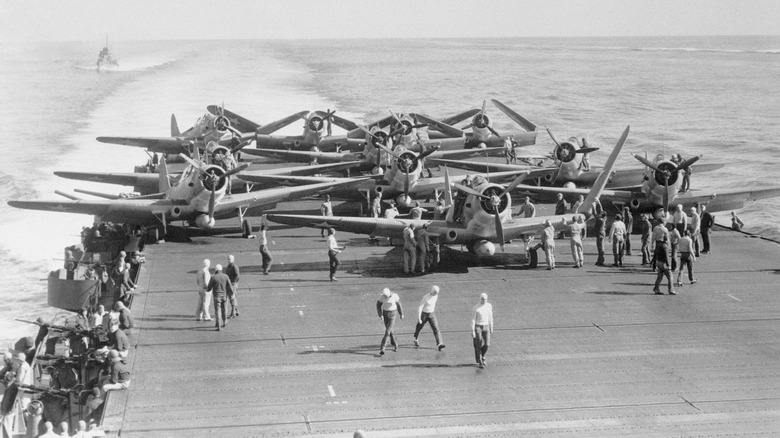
{"points": [[300, 312], [732, 296], [332, 392], [292, 289]]}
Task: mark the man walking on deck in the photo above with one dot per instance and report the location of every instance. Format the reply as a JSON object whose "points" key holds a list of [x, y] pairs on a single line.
{"points": [[410, 249], [233, 274], [481, 328], [425, 315], [388, 307]]}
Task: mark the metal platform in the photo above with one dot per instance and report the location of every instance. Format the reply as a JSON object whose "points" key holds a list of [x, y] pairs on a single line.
{"points": [[576, 352]]}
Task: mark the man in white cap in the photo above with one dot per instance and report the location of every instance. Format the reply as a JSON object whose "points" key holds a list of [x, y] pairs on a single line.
{"points": [[481, 328], [425, 315], [388, 307], [220, 286], [204, 297]]}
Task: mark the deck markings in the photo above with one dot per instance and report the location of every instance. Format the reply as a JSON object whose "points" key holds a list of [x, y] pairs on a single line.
{"points": [[733, 297], [300, 312], [284, 341], [331, 391]]}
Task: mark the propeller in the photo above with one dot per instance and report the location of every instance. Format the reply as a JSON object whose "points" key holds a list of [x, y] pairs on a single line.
{"points": [[665, 173], [405, 127], [209, 172]]}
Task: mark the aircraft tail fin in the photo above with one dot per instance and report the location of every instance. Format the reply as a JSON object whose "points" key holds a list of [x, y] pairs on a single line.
{"points": [[448, 196], [164, 183], [601, 181], [174, 127]]}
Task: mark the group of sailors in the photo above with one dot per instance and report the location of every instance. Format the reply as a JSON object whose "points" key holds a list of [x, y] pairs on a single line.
{"points": [[76, 362]]}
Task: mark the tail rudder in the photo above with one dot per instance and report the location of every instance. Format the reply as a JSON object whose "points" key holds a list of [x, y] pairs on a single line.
{"points": [[603, 178], [174, 127], [164, 183]]}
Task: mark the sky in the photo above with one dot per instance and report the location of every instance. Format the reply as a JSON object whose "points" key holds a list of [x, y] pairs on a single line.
{"points": [[88, 20]]}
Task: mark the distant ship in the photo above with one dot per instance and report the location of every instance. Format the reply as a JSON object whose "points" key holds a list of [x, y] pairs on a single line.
{"points": [[105, 59]]}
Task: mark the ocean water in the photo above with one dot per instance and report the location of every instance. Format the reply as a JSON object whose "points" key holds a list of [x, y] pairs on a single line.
{"points": [[716, 96]]}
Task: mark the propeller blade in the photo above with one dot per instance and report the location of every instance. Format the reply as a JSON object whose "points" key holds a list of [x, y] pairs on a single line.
{"points": [[647, 162], [406, 185], [585, 150], [552, 136], [192, 162], [666, 192], [493, 131], [484, 104], [517, 181], [499, 229], [427, 152], [234, 171], [396, 131], [687, 163], [211, 206], [395, 116], [467, 127]]}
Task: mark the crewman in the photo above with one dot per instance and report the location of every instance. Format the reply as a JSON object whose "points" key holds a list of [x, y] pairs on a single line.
{"points": [[410, 249], [423, 242]]}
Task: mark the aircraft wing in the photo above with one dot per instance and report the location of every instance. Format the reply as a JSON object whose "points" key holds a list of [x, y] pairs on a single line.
{"points": [[269, 197], [132, 211], [483, 167], [137, 180], [302, 156], [457, 118], [162, 145], [449, 233], [441, 126], [306, 170], [329, 143], [726, 199], [347, 125], [279, 124], [462, 153], [239, 123], [620, 196]]}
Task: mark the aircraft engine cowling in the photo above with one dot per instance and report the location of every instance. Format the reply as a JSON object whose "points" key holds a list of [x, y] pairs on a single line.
{"points": [[204, 221], [315, 123], [221, 123], [483, 248], [378, 138], [176, 213], [487, 204], [481, 121], [634, 204], [565, 152], [212, 178], [378, 191], [570, 185], [481, 145], [407, 162], [666, 166]]}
